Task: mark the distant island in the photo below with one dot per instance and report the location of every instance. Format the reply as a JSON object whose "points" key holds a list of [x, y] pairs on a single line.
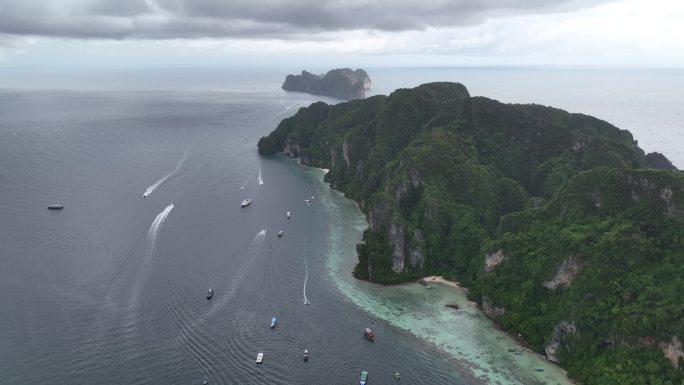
{"points": [[564, 231], [341, 83]]}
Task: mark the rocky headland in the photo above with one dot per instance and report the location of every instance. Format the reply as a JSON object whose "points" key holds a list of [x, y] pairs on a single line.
{"points": [[563, 230], [341, 83]]}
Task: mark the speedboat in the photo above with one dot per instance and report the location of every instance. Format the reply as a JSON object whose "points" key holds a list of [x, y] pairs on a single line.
{"points": [[397, 376], [287, 214], [364, 377], [280, 233], [274, 320], [260, 357], [246, 202], [210, 293], [306, 355], [205, 382], [368, 334], [55, 207]]}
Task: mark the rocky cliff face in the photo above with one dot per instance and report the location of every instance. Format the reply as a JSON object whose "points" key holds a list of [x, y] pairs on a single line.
{"points": [[558, 342], [342, 83], [673, 351], [565, 274]]}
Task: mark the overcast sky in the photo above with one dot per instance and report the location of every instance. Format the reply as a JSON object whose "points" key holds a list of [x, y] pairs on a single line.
{"points": [[129, 33]]}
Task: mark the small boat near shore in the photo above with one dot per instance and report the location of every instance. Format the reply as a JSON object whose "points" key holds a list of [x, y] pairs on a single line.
{"points": [[246, 202], [368, 334], [260, 358], [274, 321], [55, 207], [364, 378]]}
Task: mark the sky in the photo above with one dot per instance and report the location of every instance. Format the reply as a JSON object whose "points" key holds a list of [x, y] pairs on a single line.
{"points": [[376, 33]]}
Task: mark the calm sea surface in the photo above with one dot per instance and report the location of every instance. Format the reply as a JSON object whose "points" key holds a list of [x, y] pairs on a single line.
{"points": [[111, 290]]}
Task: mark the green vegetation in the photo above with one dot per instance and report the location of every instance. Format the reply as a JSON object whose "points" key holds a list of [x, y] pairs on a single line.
{"points": [[583, 242]]}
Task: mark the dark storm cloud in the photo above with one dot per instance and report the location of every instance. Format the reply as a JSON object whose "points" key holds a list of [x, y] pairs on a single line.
{"points": [[169, 19]]}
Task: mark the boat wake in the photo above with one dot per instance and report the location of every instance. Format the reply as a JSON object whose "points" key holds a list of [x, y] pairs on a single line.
{"points": [[252, 251], [246, 181], [161, 181], [147, 261], [152, 232], [260, 180], [306, 278]]}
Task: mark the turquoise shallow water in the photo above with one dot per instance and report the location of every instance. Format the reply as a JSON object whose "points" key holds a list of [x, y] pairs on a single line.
{"points": [[468, 339]]}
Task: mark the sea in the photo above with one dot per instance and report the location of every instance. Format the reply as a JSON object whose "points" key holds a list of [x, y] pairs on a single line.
{"points": [[151, 168]]}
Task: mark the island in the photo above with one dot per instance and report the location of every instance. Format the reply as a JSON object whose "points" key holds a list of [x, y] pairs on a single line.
{"points": [[341, 83], [561, 228]]}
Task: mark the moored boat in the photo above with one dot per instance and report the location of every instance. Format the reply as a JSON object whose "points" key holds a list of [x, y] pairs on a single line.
{"points": [[364, 378], [274, 320], [287, 214], [260, 357], [280, 233], [306, 355], [368, 334], [210, 293], [55, 207], [246, 202]]}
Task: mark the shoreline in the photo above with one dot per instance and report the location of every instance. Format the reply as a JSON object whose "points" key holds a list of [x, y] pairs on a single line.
{"points": [[518, 340], [515, 340]]}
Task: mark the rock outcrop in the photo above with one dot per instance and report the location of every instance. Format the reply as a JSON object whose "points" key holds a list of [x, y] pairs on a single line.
{"points": [[493, 259], [673, 351], [341, 83], [561, 332], [492, 311], [565, 274], [659, 161]]}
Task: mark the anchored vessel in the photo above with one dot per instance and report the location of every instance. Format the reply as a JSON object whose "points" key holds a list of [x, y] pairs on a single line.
{"points": [[368, 334]]}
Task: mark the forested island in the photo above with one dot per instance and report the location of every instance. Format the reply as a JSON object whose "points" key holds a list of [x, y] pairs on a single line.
{"points": [[561, 227], [341, 83]]}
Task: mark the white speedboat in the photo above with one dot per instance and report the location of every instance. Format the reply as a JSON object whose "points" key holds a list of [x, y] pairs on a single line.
{"points": [[260, 357], [280, 233], [287, 215], [246, 202]]}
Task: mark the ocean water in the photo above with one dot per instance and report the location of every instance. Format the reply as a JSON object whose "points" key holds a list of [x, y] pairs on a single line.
{"points": [[112, 289]]}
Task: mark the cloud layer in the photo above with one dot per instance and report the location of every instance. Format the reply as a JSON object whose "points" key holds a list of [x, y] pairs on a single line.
{"points": [[270, 19]]}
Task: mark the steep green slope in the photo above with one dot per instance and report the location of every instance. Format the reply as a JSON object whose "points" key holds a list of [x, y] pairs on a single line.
{"points": [[501, 197]]}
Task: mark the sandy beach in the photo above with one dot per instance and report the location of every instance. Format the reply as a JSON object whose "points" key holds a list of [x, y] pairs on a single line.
{"points": [[440, 279]]}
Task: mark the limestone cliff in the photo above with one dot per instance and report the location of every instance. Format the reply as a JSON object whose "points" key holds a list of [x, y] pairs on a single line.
{"points": [[341, 83]]}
